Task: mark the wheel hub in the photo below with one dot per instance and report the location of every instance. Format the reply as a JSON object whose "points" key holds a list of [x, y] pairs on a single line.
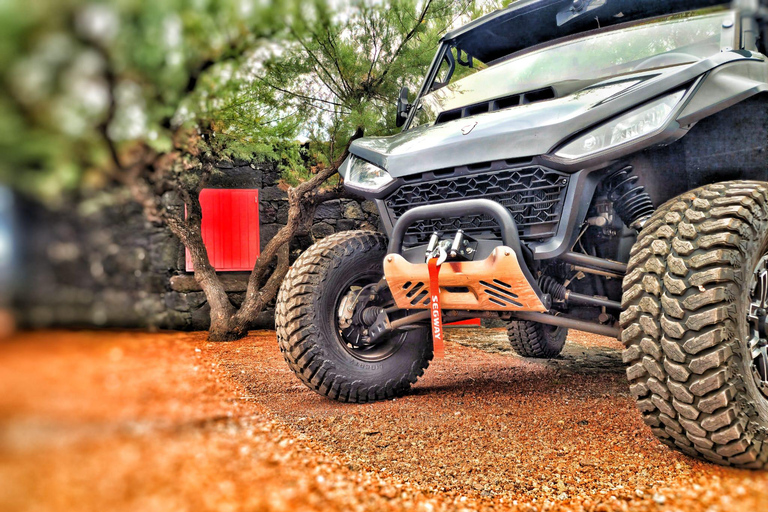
{"points": [[758, 319], [356, 313], [352, 331]]}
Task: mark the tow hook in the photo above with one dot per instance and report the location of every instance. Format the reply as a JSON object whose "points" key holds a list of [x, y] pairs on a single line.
{"points": [[437, 249]]}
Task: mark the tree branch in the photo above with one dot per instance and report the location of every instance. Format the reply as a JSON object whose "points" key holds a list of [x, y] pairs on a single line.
{"points": [[296, 212], [405, 40]]}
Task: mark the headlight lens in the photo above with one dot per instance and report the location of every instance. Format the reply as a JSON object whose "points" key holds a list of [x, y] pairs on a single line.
{"points": [[639, 123], [365, 175]]}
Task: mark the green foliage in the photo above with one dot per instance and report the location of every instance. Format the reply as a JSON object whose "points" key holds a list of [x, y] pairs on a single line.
{"points": [[342, 71], [76, 74], [83, 81]]}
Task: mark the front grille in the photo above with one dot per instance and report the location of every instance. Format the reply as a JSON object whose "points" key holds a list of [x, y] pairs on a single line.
{"points": [[534, 195]]}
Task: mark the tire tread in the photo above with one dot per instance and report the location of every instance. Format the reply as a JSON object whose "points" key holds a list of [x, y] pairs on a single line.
{"points": [[683, 363], [531, 339], [297, 332]]}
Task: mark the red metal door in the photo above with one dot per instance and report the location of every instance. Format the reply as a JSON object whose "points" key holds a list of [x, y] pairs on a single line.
{"points": [[230, 228]]}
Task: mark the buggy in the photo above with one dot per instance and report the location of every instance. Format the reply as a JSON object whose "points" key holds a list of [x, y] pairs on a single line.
{"points": [[596, 165]]}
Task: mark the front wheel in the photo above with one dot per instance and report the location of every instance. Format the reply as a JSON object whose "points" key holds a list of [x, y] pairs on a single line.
{"points": [[316, 328], [532, 339], [694, 323]]}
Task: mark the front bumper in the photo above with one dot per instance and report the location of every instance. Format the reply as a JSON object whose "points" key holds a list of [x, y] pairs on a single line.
{"points": [[499, 279], [497, 283]]}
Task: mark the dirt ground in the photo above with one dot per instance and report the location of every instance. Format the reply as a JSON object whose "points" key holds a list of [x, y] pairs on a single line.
{"points": [[142, 422]]}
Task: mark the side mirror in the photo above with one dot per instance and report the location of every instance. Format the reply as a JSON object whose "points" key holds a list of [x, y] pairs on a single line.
{"points": [[403, 108]]}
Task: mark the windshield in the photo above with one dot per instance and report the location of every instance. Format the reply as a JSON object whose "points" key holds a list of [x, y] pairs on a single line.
{"points": [[680, 39]]}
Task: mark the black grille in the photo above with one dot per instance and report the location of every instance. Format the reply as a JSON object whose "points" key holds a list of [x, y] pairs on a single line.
{"points": [[534, 196]]}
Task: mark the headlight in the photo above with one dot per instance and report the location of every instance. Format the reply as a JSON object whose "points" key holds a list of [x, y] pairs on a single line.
{"points": [[364, 175], [640, 123]]}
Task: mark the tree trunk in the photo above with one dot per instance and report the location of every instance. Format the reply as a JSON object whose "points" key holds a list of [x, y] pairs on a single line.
{"points": [[223, 325], [223, 328], [227, 322]]}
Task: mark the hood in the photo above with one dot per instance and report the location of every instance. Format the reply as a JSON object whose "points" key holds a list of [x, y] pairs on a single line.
{"points": [[521, 132]]}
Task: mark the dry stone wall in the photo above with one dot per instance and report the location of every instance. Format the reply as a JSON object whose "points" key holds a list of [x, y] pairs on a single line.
{"points": [[99, 263]]}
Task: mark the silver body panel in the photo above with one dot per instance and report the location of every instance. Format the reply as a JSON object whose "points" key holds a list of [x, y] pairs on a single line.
{"points": [[540, 128]]}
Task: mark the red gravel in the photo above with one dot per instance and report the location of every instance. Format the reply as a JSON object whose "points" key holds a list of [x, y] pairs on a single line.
{"points": [[133, 421]]}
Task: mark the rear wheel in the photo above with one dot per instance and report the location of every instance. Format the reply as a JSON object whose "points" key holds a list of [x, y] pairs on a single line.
{"points": [[531, 339], [319, 334], [695, 301]]}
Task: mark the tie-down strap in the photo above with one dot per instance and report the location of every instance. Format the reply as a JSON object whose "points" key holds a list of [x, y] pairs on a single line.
{"points": [[436, 318]]}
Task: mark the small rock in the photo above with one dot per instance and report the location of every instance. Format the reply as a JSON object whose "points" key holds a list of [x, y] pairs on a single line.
{"points": [[353, 211], [370, 207], [272, 194], [659, 498], [329, 210], [346, 225], [322, 230]]}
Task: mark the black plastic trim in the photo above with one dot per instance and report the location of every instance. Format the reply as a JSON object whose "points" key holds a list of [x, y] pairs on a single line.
{"points": [[578, 199]]}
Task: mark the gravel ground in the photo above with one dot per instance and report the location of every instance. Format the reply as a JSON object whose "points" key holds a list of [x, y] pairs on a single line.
{"points": [[135, 421]]}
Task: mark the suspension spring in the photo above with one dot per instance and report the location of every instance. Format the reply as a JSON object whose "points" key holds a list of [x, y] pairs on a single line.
{"points": [[630, 200]]}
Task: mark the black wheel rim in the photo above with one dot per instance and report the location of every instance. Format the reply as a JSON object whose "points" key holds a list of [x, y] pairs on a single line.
{"points": [[757, 316], [375, 353]]}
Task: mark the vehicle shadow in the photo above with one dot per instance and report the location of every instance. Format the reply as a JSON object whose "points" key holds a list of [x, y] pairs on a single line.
{"points": [[583, 354]]}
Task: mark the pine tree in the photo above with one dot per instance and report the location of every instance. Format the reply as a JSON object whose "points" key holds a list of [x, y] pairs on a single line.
{"points": [[152, 94]]}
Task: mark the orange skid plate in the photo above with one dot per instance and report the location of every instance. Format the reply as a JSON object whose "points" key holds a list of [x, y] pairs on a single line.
{"points": [[494, 284]]}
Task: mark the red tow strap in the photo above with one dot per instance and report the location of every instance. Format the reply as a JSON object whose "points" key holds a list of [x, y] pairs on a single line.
{"points": [[438, 346]]}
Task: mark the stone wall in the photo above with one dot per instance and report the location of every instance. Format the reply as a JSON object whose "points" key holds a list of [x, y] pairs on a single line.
{"points": [[99, 263]]}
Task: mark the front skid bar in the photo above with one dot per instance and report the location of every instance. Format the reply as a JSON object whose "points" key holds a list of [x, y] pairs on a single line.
{"points": [[497, 283]]}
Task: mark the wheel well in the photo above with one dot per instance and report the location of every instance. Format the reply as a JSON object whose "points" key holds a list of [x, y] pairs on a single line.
{"points": [[729, 145]]}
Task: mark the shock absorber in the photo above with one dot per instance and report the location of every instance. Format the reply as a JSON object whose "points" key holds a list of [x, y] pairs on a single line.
{"points": [[630, 200]]}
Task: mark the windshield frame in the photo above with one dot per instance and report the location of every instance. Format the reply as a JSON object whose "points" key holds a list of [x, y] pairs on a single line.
{"points": [[446, 46], [434, 68], [525, 23], [593, 33]]}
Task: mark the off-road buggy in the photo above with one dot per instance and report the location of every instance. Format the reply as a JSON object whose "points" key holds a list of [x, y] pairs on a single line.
{"points": [[592, 165]]}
